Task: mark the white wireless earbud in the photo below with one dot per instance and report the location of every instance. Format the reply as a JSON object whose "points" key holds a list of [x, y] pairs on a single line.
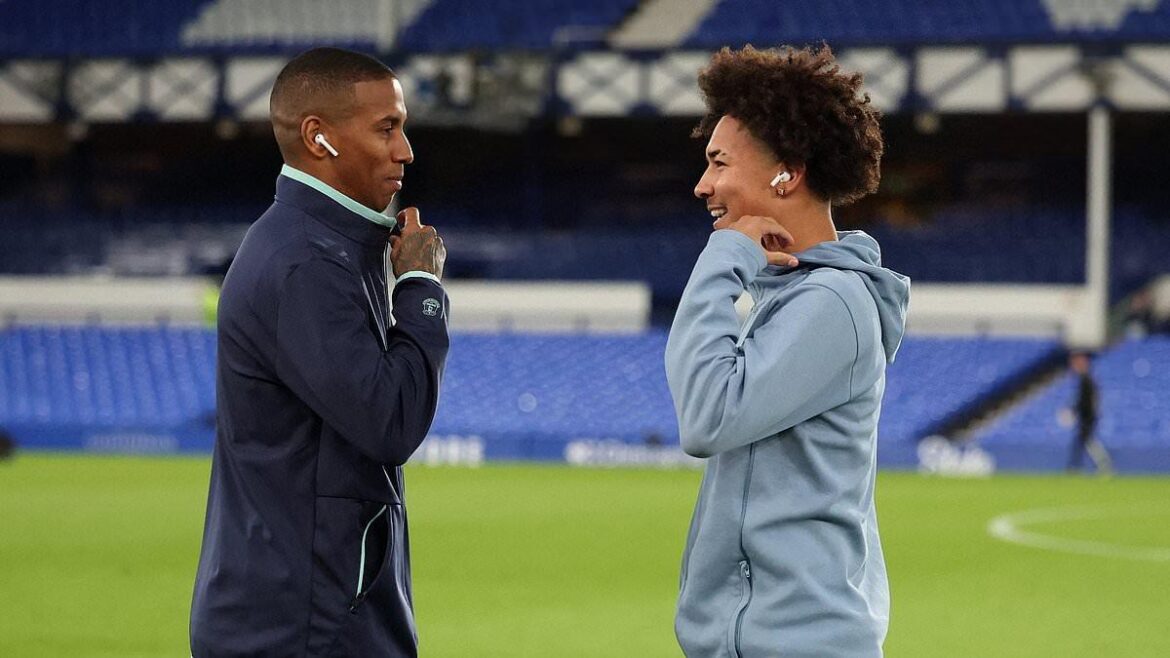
{"points": [[320, 139], [782, 177]]}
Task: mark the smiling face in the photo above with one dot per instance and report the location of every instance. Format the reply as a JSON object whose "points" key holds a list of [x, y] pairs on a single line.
{"points": [[373, 148], [739, 170]]}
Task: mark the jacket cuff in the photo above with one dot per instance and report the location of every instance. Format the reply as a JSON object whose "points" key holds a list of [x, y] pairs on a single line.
{"points": [[747, 256], [417, 274]]}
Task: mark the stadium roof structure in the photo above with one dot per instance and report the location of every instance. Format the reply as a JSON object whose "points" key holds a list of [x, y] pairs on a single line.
{"points": [[944, 79], [509, 60]]}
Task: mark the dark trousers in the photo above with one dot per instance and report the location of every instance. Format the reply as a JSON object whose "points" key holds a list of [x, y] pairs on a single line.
{"points": [[1086, 442]]}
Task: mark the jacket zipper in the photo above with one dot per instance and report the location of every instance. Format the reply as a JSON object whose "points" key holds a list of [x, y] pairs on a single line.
{"points": [[360, 595], [746, 330], [388, 274], [745, 567], [745, 573]]}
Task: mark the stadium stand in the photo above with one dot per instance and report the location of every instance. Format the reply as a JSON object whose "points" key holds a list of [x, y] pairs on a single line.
{"points": [[170, 240], [510, 24], [102, 387], [660, 23], [525, 395], [954, 247], [64, 28], [293, 24], [1134, 425], [935, 381], [142, 388], [93, 28], [39, 242], [61, 28], [928, 21]]}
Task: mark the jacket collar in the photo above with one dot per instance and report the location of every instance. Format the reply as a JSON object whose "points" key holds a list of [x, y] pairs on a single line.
{"points": [[332, 208]]}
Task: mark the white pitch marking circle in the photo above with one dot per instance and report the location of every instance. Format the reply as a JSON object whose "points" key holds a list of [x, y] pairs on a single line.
{"points": [[1010, 528]]}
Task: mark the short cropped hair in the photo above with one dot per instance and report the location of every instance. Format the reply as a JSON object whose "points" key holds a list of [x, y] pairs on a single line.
{"points": [[322, 74], [801, 105], [318, 81]]}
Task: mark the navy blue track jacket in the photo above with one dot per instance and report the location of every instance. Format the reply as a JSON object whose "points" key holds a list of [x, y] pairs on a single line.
{"points": [[321, 398]]}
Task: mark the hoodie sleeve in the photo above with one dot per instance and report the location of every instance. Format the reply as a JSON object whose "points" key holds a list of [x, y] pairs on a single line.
{"points": [[796, 364], [381, 401]]}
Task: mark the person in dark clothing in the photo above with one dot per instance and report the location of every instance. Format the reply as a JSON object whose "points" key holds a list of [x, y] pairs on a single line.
{"points": [[1086, 412], [7, 445], [322, 392]]}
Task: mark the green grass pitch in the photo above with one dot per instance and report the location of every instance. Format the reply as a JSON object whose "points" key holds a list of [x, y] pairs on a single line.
{"points": [[97, 556]]}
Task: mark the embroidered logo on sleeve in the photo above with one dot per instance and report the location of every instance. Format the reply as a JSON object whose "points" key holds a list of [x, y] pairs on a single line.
{"points": [[431, 306]]}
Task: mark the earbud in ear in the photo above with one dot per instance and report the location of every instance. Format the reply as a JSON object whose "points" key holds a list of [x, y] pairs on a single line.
{"points": [[782, 177], [320, 139]]}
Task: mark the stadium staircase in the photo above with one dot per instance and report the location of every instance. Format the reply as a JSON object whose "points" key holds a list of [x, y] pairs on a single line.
{"points": [[89, 28], [1028, 383], [660, 24], [1133, 378], [461, 25], [252, 24]]}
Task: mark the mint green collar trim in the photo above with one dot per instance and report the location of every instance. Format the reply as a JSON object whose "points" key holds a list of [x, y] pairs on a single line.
{"points": [[346, 202]]}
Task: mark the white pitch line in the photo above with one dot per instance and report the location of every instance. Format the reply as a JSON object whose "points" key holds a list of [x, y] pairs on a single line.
{"points": [[1008, 528]]}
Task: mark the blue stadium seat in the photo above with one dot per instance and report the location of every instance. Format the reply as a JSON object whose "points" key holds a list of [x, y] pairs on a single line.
{"points": [[935, 379], [59, 385], [454, 25], [139, 27], [849, 22], [962, 245], [1133, 378], [93, 28]]}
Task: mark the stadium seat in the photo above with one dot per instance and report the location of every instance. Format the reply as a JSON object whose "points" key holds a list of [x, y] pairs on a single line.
{"points": [[525, 395], [955, 247], [1133, 378], [93, 28], [841, 22], [934, 380], [454, 25]]}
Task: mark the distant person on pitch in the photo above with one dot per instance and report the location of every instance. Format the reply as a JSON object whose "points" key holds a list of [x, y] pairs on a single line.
{"points": [[322, 391], [1086, 414], [783, 556]]}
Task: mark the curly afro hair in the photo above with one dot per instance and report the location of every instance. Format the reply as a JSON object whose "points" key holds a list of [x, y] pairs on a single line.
{"points": [[805, 109]]}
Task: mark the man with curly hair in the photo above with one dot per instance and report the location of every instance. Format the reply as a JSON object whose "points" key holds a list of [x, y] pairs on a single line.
{"points": [[783, 556]]}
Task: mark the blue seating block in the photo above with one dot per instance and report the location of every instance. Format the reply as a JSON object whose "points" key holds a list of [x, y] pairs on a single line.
{"points": [[1134, 425], [454, 25], [93, 28], [934, 379], [62, 385], [911, 22]]}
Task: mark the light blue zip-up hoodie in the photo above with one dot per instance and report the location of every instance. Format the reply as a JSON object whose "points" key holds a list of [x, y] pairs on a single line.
{"points": [[783, 556]]}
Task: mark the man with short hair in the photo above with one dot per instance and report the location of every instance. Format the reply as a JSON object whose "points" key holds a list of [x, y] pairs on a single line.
{"points": [[322, 393]]}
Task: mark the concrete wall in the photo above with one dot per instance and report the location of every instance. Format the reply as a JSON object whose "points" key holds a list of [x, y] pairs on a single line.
{"points": [[1067, 312]]}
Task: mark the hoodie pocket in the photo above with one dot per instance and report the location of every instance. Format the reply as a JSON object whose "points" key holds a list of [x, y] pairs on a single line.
{"points": [[375, 546], [735, 628]]}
